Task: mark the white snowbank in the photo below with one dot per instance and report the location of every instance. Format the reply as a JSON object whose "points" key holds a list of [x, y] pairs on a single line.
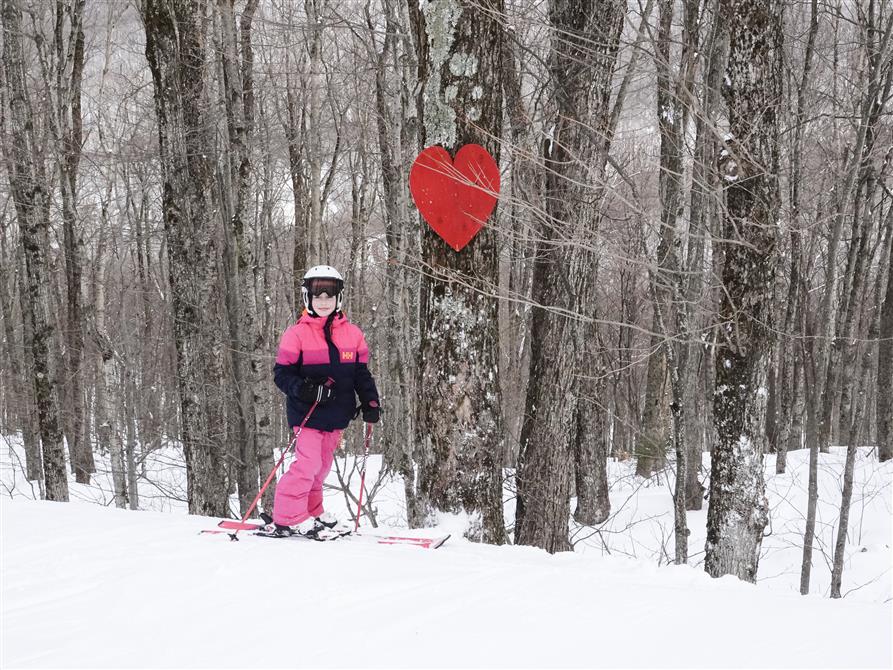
{"points": [[86, 585]]}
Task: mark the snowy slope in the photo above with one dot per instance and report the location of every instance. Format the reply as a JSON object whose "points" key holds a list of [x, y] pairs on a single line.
{"points": [[93, 587], [86, 585]]}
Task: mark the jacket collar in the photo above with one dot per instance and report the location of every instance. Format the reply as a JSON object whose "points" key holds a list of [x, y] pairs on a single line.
{"points": [[319, 323]]}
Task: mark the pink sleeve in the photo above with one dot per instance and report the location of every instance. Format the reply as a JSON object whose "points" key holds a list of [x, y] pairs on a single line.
{"points": [[362, 349], [289, 347]]}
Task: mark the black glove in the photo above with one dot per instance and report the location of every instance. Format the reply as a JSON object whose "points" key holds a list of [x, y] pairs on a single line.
{"points": [[317, 390], [371, 411]]}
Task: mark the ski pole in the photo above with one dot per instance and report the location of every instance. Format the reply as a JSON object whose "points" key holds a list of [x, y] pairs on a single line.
{"points": [[263, 488], [366, 440]]}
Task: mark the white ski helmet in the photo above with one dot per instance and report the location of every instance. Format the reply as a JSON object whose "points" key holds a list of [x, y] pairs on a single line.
{"points": [[322, 279]]}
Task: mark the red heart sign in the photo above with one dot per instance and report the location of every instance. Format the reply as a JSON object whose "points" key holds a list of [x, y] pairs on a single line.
{"points": [[456, 196]]}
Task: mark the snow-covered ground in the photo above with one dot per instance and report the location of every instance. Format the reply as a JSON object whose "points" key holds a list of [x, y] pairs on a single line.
{"points": [[86, 585]]}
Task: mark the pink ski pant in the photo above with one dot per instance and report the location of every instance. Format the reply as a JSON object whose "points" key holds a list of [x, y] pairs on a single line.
{"points": [[299, 492]]}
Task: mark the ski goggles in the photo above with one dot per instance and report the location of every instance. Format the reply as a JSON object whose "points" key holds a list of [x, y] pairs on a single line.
{"points": [[330, 286]]}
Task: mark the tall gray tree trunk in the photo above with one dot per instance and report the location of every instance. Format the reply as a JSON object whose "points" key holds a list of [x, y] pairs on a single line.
{"points": [[108, 383], [705, 191], [396, 139], [811, 398], [66, 123], [459, 422], [738, 511], [857, 390], [30, 421], [837, 360], [524, 192], [584, 43], [669, 286], [884, 398], [788, 353], [589, 444], [652, 442], [13, 418], [313, 138], [294, 135], [30, 191], [238, 73], [176, 51]]}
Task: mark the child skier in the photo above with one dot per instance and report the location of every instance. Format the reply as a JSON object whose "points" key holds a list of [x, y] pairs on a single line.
{"points": [[322, 359]]}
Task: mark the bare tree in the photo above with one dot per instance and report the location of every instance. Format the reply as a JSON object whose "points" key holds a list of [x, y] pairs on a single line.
{"points": [[396, 125], [29, 184], [176, 51], [884, 399], [738, 512], [584, 43], [459, 421], [63, 69]]}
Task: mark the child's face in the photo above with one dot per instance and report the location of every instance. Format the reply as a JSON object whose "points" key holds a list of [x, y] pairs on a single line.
{"points": [[324, 304]]}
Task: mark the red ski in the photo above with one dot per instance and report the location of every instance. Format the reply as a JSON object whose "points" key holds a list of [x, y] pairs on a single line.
{"points": [[423, 542]]}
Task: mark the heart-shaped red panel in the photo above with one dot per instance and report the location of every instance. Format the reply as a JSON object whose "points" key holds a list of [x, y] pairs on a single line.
{"points": [[456, 196]]}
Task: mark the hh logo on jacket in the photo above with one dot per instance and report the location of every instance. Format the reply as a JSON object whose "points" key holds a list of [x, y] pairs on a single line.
{"points": [[347, 356]]}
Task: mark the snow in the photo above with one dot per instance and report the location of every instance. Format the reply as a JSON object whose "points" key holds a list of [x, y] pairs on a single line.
{"points": [[87, 585]]}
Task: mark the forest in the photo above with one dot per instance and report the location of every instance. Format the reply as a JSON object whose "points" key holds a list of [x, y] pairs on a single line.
{"points": [[690, 254]]}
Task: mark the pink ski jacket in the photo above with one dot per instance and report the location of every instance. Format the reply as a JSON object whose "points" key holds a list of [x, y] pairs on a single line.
{"points": [[316, 348]]}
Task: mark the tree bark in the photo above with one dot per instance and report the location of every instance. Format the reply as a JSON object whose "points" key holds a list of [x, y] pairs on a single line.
{"points": [[176, 51], [294, 132], [584, 44], [884, 398], [459, 420], [857, 391], [30, 421], [30, 191], [237, 59], [738, 510], [812, 403], [67, 130], [13, 418], [705, 191], [108, 384]]}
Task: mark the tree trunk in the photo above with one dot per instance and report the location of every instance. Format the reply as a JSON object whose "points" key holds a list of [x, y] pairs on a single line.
{"points": [[238, 77], [313, 138], [738, 510], [294, 136], [590, 451], [30, 421], [856, 389], [67, 130], [175, 48], [396, 138], [108, 384], [583, 52], [652, 443], [705, 191], [788, 364], [884, 398], [812, 408], [14, 414], [459, 421], [29, 186]]}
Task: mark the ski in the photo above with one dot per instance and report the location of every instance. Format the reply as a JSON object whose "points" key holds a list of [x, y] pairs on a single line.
{"points": [[320, 536], [238, 525], [257, 528], [423, 542]]}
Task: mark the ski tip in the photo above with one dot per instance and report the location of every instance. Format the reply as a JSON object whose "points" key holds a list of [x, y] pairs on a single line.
{"points": [[439, 543]]}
